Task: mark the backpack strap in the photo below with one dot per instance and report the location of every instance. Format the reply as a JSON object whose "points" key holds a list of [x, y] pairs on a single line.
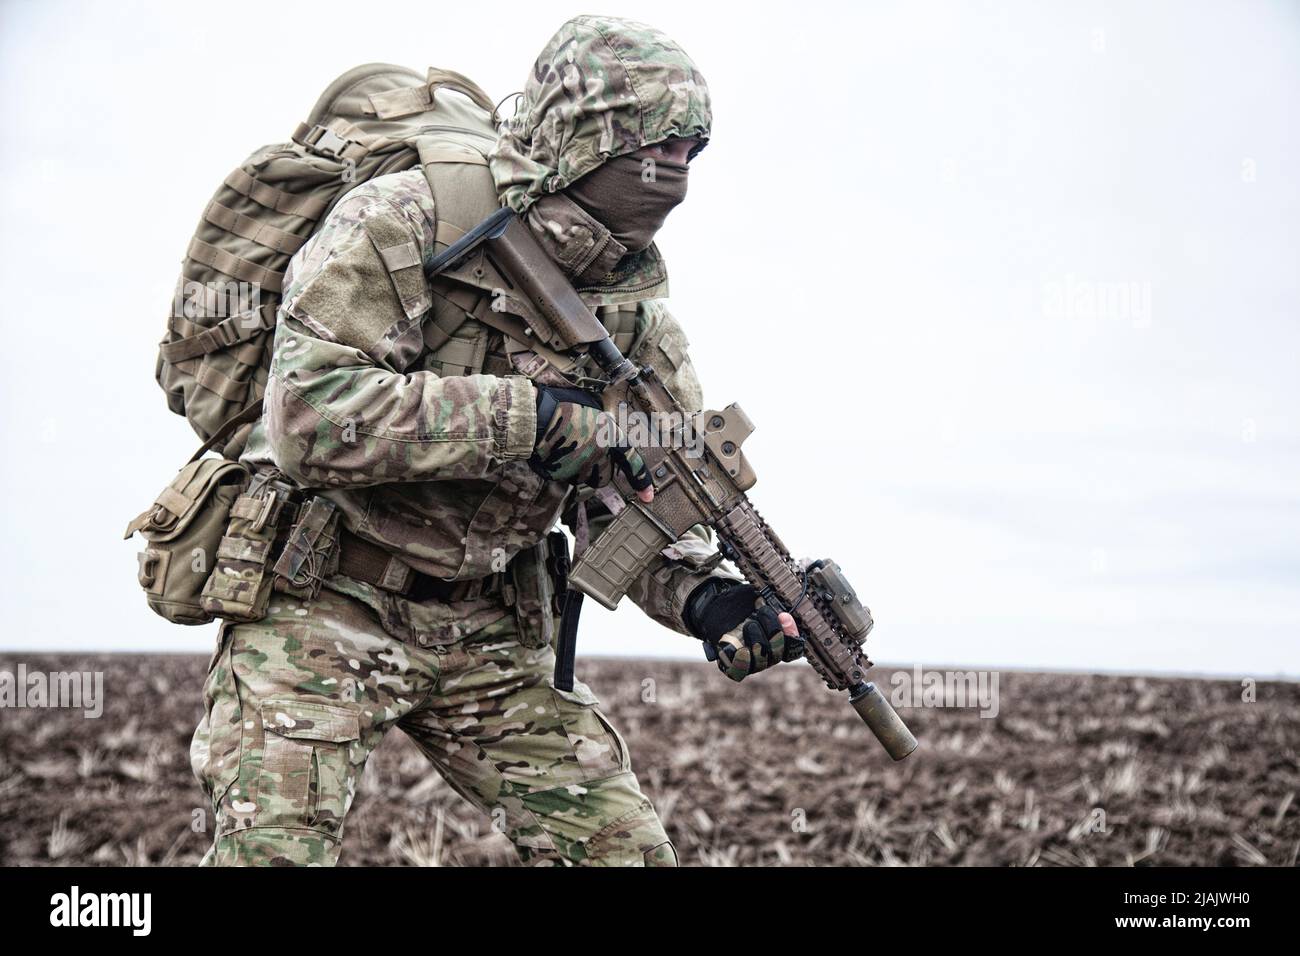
{"points": [[228, 427], [199, 340], [177, 500], [338, 139], [461, 185], [462, 189], [440, 329]]}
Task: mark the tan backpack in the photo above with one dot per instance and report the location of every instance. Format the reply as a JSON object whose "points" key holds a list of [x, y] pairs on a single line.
{"points": [[375, 119]]}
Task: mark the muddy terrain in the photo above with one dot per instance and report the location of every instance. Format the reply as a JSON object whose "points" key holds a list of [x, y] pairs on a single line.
{"points": [[1073, 770]]}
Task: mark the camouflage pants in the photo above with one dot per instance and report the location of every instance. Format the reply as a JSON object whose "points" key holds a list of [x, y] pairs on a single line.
{"points": [[295, 703]]}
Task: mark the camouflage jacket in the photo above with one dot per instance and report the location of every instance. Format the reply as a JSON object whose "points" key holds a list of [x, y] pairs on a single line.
{"points": [[358, 406]]}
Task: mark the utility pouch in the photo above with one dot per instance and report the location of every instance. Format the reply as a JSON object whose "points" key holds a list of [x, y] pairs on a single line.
{"points": [[183, 534], [311, 553], [535, 589], [240, 586]]}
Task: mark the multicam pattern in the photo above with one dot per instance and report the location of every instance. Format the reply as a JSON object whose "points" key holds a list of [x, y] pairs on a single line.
{"points": [[757, 645], [352, 404], [602, 87], [570, 447], [295, 704], [434, 467]]}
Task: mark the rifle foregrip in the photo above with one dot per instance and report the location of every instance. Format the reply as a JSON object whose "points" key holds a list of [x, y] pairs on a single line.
{"points": [[609, 565]]}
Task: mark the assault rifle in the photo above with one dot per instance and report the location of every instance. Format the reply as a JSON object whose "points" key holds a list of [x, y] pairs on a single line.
{"points": [[501, 255]]}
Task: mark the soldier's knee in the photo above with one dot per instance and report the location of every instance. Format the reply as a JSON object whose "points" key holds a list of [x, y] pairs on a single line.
{"points": [[273, 846], [606, 822], [665, 854], [635, 839]]}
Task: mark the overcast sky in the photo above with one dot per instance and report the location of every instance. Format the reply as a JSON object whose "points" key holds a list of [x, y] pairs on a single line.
{"points": [[1010, 291]]}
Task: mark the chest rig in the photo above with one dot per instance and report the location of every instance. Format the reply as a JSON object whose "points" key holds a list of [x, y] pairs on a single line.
{"points": [[459, 335]]}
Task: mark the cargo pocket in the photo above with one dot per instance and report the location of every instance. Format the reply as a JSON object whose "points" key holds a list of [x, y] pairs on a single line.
{"points": [[598, 747], [308, 772]]}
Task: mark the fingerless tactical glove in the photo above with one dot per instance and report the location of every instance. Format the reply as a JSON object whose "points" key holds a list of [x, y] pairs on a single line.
{"points": [[579, 444], [717, 608]]}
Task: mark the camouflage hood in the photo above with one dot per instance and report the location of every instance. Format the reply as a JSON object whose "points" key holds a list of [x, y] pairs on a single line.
{"points": [[602, 87]]}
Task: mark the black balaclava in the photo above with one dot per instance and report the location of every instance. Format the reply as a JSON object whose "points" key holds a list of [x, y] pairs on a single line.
{"points": [[631, 196]]}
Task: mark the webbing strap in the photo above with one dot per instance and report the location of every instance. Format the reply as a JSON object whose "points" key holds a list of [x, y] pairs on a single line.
{"points": [[265, 314], [363, 561], [246, 227], [442, 327], [445, 233], [200, 341], [465, 298], [292, 204], [174, 501], [219, 383], [463, 191], [337, 139], [239, 374], [460, 353], [235, 266], [249, 414], [463, 194]]}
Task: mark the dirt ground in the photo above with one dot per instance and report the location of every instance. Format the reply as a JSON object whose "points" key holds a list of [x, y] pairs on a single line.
{"points": [[1075, 770]]}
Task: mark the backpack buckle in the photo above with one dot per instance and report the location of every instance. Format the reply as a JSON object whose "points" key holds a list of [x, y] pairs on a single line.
{"points": [[325, 142]]}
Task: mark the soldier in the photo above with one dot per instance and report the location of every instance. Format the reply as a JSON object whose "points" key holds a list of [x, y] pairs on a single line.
{"points": [[447, 457]]}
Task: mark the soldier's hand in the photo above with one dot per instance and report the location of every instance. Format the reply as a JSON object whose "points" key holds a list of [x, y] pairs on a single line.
{"points": [[740, 633], [579, 444]]}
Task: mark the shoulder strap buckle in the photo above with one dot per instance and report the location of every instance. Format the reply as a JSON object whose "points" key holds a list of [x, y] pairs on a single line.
{"points": [[326, 142]]}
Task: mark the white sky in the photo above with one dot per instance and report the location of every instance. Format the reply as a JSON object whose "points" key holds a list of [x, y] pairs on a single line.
{"points": [[886, 258]]}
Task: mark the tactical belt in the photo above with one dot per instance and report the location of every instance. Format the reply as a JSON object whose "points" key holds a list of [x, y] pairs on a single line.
{"points": [[378, 567]]}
